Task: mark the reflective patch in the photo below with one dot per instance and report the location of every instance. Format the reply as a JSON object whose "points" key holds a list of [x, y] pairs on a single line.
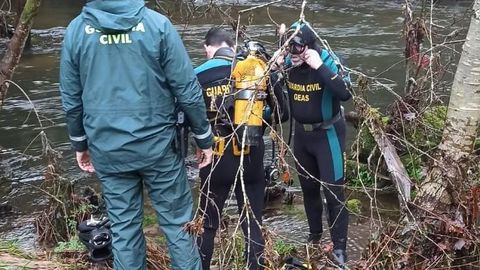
{"points": [[78, 138], [204, 135]]}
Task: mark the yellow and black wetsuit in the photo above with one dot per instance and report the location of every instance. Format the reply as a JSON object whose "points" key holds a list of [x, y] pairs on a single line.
{"points": [[319, 143], [214, 76]]}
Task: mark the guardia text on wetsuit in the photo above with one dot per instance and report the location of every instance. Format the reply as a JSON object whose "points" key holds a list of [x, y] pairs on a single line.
{"points": [[217, 180]]}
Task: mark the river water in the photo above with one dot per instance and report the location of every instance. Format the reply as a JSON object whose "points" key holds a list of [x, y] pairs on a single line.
{"points": [[366, 33]]}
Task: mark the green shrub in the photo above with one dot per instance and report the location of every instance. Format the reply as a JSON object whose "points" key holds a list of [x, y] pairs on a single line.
{"points": [[150, 220], [429, 134], [283, 249], [354, 206], [73, 245], [414, 166], [358, 174]]}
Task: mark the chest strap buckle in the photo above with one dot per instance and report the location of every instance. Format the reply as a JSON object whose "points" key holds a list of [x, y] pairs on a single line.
{"points": [[218, 146], [237, 149]]}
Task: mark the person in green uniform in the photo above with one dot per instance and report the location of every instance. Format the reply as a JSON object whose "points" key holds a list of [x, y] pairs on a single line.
{"points": [[123, 70]]}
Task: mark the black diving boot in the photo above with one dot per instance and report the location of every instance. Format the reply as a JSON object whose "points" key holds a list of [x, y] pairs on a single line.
{"points": [[314, 238], [340, 258]]}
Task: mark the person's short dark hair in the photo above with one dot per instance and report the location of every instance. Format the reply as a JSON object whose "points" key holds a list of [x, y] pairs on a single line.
{"points": [[216, 36]]}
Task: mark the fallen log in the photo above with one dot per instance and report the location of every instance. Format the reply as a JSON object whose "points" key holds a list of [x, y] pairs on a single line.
{"points": [[395, 167]]}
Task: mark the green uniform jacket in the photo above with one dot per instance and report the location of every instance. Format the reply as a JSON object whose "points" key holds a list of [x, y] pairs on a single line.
{"points": [[123, 70]]}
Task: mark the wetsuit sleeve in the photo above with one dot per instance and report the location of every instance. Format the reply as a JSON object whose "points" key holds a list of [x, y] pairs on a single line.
{"points": [[330, 78], [277, 82], [71, 92], [185, 86]]}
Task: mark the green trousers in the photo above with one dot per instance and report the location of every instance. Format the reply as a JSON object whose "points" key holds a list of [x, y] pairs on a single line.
{"points": [[168, 188]]}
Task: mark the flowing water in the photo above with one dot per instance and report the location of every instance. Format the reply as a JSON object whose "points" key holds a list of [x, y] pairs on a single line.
{"points": [[366, 33]]}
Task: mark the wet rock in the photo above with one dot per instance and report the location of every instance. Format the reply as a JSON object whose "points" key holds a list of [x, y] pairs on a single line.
{"points": [[5, 209], [274, 193], [5, 187]]}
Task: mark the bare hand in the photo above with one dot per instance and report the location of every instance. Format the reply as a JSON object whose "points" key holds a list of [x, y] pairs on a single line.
{"points": [[282, 29], [204, 157], [312, 58], [278, 58], [84, 162]]}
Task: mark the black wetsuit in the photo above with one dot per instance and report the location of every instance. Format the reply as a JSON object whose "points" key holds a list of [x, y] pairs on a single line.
{"points": [[214, 77], [319, 143]]}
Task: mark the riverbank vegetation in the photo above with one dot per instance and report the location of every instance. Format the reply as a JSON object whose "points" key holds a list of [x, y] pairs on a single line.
{"points": [[424, 148]]}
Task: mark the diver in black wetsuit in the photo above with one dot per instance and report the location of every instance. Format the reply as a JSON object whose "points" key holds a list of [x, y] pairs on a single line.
{"points": [[316, 90], [214, 76]]}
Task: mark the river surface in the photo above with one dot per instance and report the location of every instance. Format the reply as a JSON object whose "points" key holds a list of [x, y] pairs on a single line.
{"points": [[366, 33]]}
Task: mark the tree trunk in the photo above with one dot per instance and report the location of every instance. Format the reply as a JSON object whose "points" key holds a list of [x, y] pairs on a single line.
{"points": [[20, 5], [441, 229], [463, 116], [17, 43], [448, 173]]}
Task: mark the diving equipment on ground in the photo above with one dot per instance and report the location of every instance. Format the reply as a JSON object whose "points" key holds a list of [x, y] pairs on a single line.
{"points": [[292, 263], [96, 235]]}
